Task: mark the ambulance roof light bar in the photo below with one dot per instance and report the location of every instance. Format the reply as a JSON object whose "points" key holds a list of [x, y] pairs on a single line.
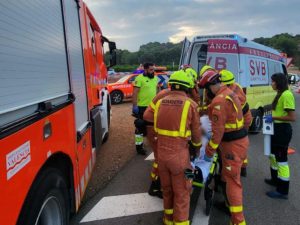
{"points": [[229, 36]]}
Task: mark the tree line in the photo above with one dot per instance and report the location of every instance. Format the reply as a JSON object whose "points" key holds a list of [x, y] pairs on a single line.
{"points": [[168, 54]]}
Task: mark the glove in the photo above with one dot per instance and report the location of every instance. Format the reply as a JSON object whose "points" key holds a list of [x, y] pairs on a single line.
{"points": [[135, 109], [268, 119], [207, 158], [189, 174]]}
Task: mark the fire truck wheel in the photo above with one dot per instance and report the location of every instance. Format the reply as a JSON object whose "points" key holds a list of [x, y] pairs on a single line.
{"points": [[47, 200], [257, 121], [116, 97]]}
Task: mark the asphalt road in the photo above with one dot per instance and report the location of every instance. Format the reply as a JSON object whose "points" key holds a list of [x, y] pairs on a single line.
{"points": [[124, 201]]}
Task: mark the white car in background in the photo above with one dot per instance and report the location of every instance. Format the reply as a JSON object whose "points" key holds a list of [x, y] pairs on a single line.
{"points": [[111, 72], [293, 78]]}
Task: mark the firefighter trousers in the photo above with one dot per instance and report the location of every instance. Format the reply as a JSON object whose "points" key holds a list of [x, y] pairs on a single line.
{"points": [[233, 154], [176, 188], [153, 144]]}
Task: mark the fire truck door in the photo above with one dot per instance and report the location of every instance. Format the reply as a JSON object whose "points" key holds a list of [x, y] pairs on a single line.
{"points": [[79, 89]]}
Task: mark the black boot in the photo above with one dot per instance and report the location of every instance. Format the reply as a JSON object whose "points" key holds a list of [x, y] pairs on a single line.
{"points": [[155, 189], [140, 149], [274, 179]]}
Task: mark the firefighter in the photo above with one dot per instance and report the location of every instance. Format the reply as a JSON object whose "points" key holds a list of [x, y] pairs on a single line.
{"points": [[283, 112], [205, 101], [230, 137], [204, 69], [176, 122], [194, 92], [228, 79], [155, 187], [144, 90]]}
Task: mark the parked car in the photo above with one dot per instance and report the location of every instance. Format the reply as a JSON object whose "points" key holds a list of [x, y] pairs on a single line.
{"points": [[111, 71], [293, 78]]}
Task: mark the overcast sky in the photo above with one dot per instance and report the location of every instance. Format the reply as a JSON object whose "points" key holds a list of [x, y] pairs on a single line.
{"points": [[132, 23]]}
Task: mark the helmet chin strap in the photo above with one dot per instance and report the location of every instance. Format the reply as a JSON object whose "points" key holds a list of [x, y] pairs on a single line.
{"points": [[210, 94]]}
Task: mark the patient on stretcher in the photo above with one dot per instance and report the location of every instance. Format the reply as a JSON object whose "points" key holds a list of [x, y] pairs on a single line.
{"points": [[201, 166]]}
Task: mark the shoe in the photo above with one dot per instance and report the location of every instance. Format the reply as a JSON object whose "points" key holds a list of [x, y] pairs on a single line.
{"points": [[222, 207], [275, 194], [155, 190], [244, 172], [141, 151], [270, 182], [155, 193]]}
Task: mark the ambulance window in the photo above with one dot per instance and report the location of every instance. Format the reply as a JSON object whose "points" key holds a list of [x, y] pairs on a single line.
{"points": [[131, 79], [273, 67], [198, 56]]}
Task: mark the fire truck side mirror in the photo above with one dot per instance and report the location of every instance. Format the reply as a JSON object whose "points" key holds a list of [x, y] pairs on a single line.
{"points": [[113, 53]]}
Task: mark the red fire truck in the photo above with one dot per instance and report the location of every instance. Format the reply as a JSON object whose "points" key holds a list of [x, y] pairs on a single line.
{"points": [[54, 108]]}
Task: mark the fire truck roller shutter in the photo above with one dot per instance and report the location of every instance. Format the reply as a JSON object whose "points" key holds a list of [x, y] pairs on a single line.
{"points": [[33, 58]]}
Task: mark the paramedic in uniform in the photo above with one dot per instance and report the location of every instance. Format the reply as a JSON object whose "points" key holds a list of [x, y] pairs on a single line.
{"points": [[176, 123], [283, 112], [144, 90], [230, 136], [228, 79]]}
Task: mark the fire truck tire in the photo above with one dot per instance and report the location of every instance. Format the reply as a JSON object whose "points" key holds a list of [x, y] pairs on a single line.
{"points": [[47, 202], [116, 97], [257, 121]]}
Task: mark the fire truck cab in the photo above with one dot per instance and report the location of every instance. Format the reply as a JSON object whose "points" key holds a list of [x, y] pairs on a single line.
{"points": [[252, 64], [54, 108]]}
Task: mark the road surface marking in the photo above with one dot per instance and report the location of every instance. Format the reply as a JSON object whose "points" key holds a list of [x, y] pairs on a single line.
{"points": [[150, 157], [123, 205], [199, 217]]}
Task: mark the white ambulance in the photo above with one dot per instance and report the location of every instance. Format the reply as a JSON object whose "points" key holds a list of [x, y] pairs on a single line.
{"points": [[253, 65]]}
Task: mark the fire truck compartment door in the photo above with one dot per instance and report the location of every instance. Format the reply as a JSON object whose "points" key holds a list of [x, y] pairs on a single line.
{"points": [[77, 74]]}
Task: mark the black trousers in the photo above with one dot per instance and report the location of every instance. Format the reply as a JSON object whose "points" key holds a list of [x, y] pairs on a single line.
{"points": [[279, 148], [139, 133]]}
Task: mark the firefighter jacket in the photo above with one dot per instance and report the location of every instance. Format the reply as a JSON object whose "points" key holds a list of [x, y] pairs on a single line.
{"points": [[225, 113], [237, 89], [181, 110], [149, 113], [195, 95]]}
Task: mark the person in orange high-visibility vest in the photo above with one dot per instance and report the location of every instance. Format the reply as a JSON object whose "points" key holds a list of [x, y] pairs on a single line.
{"points": [[176, 123], [228, 79], [230, 137], [194, 92], [205, 101], [155, 188]]}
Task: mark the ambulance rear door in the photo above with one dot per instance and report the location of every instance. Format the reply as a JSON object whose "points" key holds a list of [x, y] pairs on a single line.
{"points": [[223, 54], [184, 52]]}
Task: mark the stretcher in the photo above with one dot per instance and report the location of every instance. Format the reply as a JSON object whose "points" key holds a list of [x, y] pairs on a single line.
{"points": [[205, 173]]}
